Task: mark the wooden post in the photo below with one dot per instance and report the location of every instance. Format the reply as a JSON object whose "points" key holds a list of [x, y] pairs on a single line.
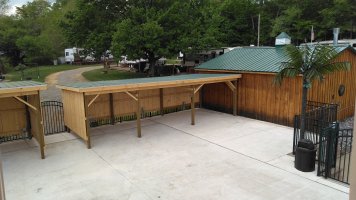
{"points": [[87, 123], [28, 118], [234, 99], [138, 115], [112, 114], [201, 94], [352, 166], [161, 100], [40, 125], [192, 106], [2, 188]]}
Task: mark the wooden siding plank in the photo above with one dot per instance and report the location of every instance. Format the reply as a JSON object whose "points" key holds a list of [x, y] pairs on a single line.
{"points": [[74, 113]]}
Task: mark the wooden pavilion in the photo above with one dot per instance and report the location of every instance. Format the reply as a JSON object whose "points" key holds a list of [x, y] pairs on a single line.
{"points": [[20, 111], [84, 102]]}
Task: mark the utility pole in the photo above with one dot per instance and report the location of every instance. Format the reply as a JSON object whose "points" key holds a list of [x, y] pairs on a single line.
{"points": [[258, 30]]}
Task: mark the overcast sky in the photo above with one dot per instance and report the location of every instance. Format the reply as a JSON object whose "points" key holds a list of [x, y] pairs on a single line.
{"points": [[14, 3], [18, 3]]}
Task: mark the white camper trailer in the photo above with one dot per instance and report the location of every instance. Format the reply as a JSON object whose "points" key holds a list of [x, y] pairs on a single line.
{"points": [[69, 55]]}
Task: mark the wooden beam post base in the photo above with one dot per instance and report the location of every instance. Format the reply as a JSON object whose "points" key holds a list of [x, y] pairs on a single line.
{"points": [[138, 115], [192, 106]]}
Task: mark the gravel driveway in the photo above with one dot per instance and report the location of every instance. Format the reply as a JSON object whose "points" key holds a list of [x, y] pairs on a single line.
{"points": [[69, 76]]}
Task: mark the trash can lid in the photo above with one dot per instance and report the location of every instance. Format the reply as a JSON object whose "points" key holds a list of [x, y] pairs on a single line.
{"points": [[306, 143]]}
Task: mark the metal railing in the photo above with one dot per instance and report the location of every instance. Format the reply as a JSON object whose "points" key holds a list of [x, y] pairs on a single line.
{"points": [[94, 122], [335, 153], [318, 117]]}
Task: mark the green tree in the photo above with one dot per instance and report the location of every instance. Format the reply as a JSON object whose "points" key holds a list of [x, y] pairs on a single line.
{"points": [[10, 31], [239, 22], [313, 63], [296, 18], [341, 14], [3, 6], [158, 29], [92, 24], [33, 34]]}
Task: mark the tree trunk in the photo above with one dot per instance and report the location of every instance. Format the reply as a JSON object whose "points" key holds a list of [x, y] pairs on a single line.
{"points": [[304, 107], [2, 67], [152, 70]]}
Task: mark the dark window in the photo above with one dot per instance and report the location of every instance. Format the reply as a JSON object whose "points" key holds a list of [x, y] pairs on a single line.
{"points": [[67, 53], [341, 90]]}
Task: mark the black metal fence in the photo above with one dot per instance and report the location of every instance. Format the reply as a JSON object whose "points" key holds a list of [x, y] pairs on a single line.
{"points": [[322, 111], [53, 117], [318, 117], [335, 153], [333, 144], [144, 113], [15, 136]]}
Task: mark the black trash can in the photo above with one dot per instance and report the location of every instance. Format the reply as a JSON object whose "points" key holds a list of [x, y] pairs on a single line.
{"points": [[305, 154]]}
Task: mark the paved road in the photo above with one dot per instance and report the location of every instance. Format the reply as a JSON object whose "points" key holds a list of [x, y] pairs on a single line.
{"points": [[69, 76]]}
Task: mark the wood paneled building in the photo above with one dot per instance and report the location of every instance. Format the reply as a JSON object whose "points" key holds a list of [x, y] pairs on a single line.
{"points": [[259, 98]]}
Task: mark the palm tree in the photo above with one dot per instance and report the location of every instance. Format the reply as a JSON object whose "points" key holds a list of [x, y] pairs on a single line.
{"points": [[313, 63]]}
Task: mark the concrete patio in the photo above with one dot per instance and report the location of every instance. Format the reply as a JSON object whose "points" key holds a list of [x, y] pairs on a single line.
{"points": [[221, 157]]}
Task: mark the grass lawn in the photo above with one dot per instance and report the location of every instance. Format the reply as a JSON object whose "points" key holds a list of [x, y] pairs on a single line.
{"points": [[42, 71], [173, 61], [99, 75]]}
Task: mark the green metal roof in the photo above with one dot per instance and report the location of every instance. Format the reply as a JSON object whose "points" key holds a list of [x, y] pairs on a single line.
{"points": [[283, 35], [252, 59], [142, 80], [20, 84]]}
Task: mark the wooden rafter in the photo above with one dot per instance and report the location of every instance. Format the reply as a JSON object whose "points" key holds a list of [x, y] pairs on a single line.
{"points": [[26, 103], [132, 96], [231, 86], [198, 88], [92, 101]]}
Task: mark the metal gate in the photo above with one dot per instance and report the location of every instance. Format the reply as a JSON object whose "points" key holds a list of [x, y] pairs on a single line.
{"points": [[334, 154], [53, 117], [318, 117]]}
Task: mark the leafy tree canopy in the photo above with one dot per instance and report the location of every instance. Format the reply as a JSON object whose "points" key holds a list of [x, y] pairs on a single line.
{"points": [[33, 33], [3, 6]]}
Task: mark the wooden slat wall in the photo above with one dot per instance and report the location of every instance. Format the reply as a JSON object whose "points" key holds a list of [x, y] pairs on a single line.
{"points": [[327, 90], [74, 113], [259, 98], [12, 116], [124, 104], [36, 121]]}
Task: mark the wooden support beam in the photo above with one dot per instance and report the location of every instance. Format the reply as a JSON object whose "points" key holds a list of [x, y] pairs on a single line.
{"points": [[26, 103], [161, 101], [92, 101], [40, 133], [112, 111], [28, 120], [234, 99], [138, 115], [132, 96], [201, 95], [198, 88], [87, 122], [2, 188], [231, 86], [192, 106]]}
